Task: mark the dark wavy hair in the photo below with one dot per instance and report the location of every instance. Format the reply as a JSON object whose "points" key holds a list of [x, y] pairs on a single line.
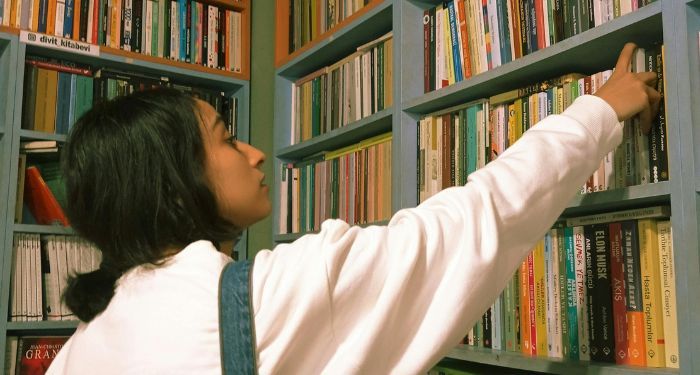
{"points": [[135, 186]]}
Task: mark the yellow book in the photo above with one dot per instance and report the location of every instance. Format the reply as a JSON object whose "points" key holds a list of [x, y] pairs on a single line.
{"points": [[540, 300], [35, 16], [447, 47], [651, 293], [667, 271], [388, 73], [51, 17]]}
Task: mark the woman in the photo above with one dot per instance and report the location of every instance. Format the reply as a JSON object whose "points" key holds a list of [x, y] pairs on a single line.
{"points": [[158, 186]]}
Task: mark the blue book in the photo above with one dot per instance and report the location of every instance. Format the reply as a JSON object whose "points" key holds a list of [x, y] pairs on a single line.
{"points": [[68, 19], [43, 4], [73, 96], [504, 31], [455, 41], [62, 102], [182, 8]]}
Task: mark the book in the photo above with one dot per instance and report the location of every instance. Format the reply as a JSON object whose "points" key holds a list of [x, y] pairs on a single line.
{"points": [[41, 200], [35, 353], [667, 270], [609, 217]]}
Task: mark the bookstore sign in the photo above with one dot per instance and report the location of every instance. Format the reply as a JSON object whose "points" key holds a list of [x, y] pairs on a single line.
{"points": [[56, 42]]}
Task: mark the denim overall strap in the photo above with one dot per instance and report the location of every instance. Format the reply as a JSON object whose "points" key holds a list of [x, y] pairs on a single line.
{"points": [[236, 330]]}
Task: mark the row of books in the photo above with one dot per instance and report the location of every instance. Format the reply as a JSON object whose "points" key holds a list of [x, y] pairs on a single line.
{"points": [[462, 38], [601, 288], [40, 270], [352, 184], [335, 96], [309, 19], [31, 355], [183, 30], [57, 92], [455, 142]]}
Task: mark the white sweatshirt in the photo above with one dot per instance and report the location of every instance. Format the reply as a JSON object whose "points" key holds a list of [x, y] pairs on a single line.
{"points": [[379, 300]]}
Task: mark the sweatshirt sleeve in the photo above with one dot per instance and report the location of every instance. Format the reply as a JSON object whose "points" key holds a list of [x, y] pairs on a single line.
{"points": [[394, 299]]}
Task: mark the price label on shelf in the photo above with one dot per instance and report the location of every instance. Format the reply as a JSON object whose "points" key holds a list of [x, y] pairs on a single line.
{"points": [[56, 42]]}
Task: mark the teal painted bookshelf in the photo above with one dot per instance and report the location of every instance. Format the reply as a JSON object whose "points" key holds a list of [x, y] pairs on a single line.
{"points": [[674, 23], [12, 57]]}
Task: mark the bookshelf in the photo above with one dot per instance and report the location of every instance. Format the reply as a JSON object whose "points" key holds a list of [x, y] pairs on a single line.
{"points": [[675, 23], [13, 52]]}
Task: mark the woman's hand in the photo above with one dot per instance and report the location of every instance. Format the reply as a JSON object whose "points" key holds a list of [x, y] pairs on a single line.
{"points": [[631, 93]]}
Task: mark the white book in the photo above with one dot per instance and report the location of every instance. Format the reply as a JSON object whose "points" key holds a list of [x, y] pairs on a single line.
{"points": [[625, 7], [357, 84], [91, 20], [16, 279], [60, 16], [5, 15], [39, 312], [52, 289], [440, 74], [11, 355], [62, 261], [598, 12], [174, 30], [147, 24], [27, 9], [480, 35], [27, 305], [495, 324], [161, 27], [510, 23], [366, 84], [581, 294]]}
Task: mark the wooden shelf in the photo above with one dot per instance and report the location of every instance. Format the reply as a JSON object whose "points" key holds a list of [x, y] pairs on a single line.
{"points": [[41, 136], [9, 30], [367, 127], [43, 229], [291, 237], [547, 365], [620, 199], [50, 328], [578, 54], [375, 19]]}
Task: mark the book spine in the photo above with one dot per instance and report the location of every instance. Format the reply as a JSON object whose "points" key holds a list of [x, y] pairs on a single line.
{"points": [[651, 293], [617, 278], [667, 270]]}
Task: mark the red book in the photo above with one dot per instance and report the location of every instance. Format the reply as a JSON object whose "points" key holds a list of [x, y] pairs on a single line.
{"points": [[619, 291], [35, 354], [41, 201]]}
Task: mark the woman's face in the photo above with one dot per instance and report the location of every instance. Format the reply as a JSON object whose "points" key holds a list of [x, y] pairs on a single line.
{"points": [[232, 169]]}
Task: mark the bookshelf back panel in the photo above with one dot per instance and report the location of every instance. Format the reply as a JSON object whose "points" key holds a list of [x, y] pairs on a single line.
{"points": [[693, 51], [5, 82]]}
